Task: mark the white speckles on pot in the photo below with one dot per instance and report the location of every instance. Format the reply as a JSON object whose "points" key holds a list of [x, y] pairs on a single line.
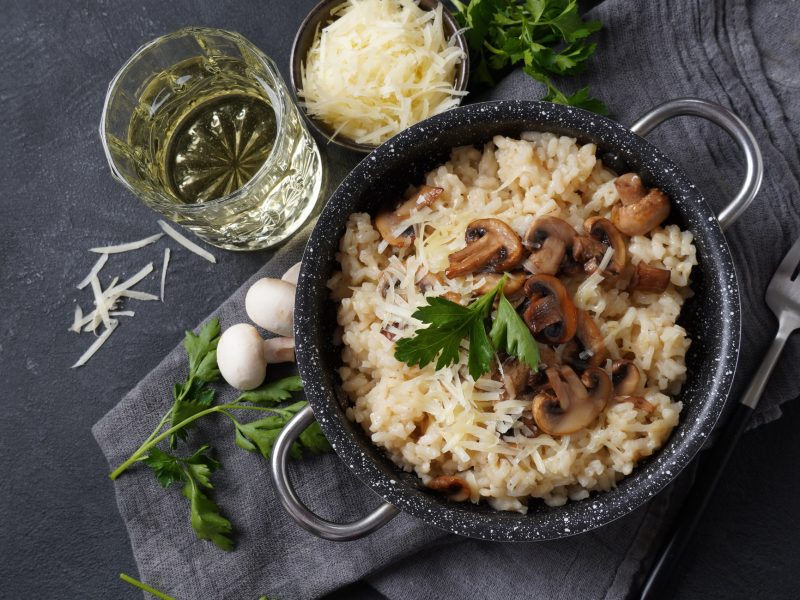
{"points": [[712, 317]]}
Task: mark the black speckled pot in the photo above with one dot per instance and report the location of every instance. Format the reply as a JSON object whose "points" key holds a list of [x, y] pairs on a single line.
{"points": [[712, 317]]}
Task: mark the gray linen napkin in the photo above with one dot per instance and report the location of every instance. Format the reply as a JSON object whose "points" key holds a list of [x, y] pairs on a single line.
{"points": [[649, 52]]}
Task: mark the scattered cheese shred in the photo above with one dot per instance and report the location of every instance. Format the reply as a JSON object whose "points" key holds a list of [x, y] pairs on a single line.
{"points": [[94, 271], [129, 246], [101, 339], [164, 271], [138, 295], [380, 67], [76, 322], [186, 242], [106, 302]]}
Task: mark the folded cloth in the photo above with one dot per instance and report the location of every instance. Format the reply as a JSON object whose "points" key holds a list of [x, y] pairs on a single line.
{"points": [[648, 53]]}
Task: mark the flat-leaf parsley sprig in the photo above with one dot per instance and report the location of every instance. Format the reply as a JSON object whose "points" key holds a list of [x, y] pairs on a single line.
{"points": [[193, 400], [546, 37], [449, 323]]}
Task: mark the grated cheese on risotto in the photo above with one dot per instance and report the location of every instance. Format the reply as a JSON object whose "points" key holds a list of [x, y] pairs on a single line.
{"points": [[442, 422]]}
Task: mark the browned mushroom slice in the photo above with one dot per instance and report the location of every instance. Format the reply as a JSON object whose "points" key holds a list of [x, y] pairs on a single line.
{"points": [[573, 403], [640, 212], [606, 235], [491, 244], [551, 315], [630, 188], [548, 239], [649, 279], [588, 349], [511, 288], [625, 377], [452, 486], [387, 222], [516, 376]]}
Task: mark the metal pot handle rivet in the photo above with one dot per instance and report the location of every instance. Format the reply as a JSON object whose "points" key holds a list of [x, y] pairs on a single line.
{"points": [[734, 126], [337, 532]]}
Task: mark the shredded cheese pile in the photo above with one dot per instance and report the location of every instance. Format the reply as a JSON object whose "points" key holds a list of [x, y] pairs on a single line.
{"points": [[378, 68], [107, 301]]}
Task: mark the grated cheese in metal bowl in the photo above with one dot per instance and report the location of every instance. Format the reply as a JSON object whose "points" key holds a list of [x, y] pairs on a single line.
{"points": [[378, 68]]}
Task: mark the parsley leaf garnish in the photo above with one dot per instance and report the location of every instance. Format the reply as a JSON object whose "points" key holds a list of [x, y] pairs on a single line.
{"points": [[195, 473], [193, 396], [509, 331], [547, 37], [449, 323]]}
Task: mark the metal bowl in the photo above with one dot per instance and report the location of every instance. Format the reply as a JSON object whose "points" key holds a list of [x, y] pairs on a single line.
{"points": [[711, 317], [319, 16]]}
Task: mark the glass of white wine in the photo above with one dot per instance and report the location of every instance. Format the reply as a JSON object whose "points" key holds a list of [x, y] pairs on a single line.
{"points": [[200, 125]]}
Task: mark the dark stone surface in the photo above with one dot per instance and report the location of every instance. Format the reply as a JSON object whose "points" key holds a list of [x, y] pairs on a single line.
{"points": [[60, 534]]}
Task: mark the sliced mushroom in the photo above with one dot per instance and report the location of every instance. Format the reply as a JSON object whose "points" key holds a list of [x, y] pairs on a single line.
{"points": [[649, 279], [452, 486], [625, 377], [603, 232], [387, 222], [573, 403], [630, 188], [386, 282], [588, 349], [516, 377], [640, 212], [551, 315], [548, 239], [491, 244], [511, 288]]}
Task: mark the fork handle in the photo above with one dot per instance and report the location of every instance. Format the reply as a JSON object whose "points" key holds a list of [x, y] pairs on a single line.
{"points": [[711, 464], [759, 382]]}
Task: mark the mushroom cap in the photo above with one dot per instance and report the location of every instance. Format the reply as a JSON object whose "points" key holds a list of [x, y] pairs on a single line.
{"points": [[548, 239], [630, 188], [643, 216], [625, 376], [240, 357], [603, 231], [551, 315], [588, 348], [572, 403], [270, 304], [649, 279], [452, 486], [491, 244], [511, 287], [388, 221]]}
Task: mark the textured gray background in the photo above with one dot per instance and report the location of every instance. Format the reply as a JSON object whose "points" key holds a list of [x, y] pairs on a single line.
{"points": [[60, 534]]}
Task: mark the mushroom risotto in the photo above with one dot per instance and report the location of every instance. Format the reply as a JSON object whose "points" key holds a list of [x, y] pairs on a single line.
{"points": [[591, 272]]}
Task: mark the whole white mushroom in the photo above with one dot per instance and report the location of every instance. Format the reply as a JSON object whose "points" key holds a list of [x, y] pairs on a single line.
{"points": [[270, 304], [243, 356], [240, 357]]}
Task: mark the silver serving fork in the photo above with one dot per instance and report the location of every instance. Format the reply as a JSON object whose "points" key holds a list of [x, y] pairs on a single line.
{"points": [[783, 298]]}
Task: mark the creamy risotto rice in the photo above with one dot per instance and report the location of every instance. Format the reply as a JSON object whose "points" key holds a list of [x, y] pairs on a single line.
{"points": [[443, 422]]}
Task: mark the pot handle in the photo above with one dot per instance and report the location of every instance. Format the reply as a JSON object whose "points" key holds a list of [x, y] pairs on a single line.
{"points": [[736, 128], [337, 532]]}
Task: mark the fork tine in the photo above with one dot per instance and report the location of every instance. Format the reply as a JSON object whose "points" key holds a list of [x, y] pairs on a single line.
{"points": [[789, 263]]}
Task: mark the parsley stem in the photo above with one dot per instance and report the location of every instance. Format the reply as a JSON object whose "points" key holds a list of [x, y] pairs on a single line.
{"points": [[152, 441], [147, 445], [143, 586]]}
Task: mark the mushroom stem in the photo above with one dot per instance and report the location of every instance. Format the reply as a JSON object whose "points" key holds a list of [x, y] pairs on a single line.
{"points": [[649, 279]]}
